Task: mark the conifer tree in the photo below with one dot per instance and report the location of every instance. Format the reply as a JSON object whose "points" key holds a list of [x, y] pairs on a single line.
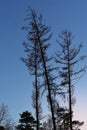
{"points": [[41, 33], [32, 62], [67, 59], [26, 121]]}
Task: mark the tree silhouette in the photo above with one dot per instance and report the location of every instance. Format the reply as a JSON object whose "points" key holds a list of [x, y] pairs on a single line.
{"points": [[67, 59], [26, 121], [42, 36], [5, 118], [32, 62], [38, 34]]}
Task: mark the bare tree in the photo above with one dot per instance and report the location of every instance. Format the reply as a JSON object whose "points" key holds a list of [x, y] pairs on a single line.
{"points": [[5, 118], [39, 34], [67, 59], [42, 36], [32, 62]]}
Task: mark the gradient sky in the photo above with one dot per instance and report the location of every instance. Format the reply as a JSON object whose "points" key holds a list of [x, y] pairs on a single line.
{"points": [[15, 81]]}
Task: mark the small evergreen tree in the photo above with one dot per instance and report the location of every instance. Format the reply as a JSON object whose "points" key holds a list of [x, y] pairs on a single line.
{"points": [[26, 121]]}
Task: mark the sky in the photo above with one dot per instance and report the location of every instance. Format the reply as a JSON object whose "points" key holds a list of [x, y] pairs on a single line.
{"points": [[15, 81]]}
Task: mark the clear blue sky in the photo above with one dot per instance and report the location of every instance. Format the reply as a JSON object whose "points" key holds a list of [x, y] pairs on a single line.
{"points": [[15, 81]]}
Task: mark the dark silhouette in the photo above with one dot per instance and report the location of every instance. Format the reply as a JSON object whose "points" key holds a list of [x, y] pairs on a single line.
{"points": [[42, 36], [32, 62], [38, 63], [67, 59], [39, 35], [26, 121], [2, 128]]}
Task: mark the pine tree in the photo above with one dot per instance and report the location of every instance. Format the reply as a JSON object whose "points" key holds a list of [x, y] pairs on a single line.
{"points": [[26, 121]]}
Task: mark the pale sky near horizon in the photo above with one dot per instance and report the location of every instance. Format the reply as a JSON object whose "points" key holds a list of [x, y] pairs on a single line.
{"points": [[15, 81]]}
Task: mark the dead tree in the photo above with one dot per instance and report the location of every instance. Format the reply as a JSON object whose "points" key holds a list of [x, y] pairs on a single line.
{"points": [[67, 59], [42, 36], [32, 62]]}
